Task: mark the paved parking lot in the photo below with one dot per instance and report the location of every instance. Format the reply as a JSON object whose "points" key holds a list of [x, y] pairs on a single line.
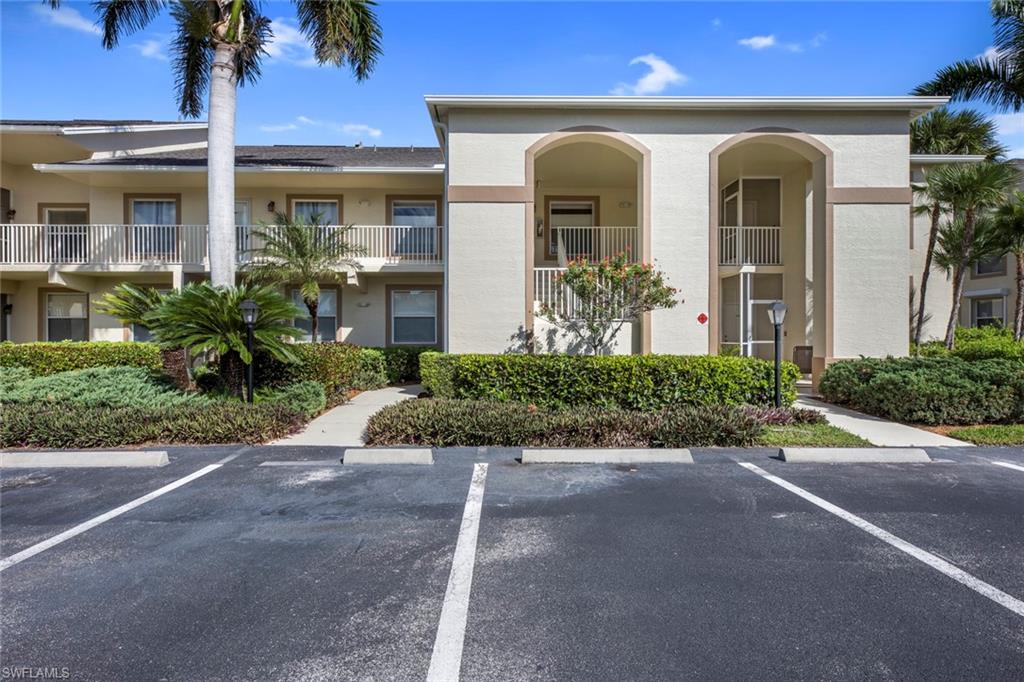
{"points": [[711, 570]]}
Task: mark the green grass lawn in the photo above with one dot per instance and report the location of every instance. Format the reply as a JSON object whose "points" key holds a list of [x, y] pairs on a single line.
{"points": [[991, 434], [811, 435]]}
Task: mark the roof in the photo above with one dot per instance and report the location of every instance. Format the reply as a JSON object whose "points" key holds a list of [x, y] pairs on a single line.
{"points": [[916, 105], [276, 157], [83, 122]]}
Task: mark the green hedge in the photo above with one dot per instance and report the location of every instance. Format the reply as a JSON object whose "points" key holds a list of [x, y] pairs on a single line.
{"points": [[373, 371], [403, 362], [333, 364], [306, 397], [53, 357], [446, 423], [982, 343], [96, 387], [929, 390], [71, 426], [635, 382]]}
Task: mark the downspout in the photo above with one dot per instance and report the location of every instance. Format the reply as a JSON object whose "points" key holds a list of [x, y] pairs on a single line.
{"points": [[447, 237]]}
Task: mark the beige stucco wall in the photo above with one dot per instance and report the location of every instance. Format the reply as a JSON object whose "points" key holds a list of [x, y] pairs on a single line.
{"points": [[364, 308], [30, 188]]}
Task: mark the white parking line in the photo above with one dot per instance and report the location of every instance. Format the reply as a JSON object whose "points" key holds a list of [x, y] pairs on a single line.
{"points": [[113, 513], [446, 659], [941, 565], [1008, 465]]}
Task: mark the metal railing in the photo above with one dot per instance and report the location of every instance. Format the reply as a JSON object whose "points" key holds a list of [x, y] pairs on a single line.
{"points": [[187, 244], [749, 245], [592, 242]]}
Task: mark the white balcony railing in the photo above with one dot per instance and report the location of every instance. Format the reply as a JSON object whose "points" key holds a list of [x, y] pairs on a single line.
{"points": [[548, 292], [749, 245], [568, 243], [187, 244]]}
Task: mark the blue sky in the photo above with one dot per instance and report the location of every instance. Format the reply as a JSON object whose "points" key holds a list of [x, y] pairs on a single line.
{"points": [[54, 67]]}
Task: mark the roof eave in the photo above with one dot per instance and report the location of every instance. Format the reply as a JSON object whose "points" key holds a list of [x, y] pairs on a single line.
{"points": [[144, 168]]}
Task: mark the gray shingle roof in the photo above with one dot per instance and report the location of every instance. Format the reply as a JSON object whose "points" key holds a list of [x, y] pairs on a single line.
{"points": [[290, 156], [86, 122]]}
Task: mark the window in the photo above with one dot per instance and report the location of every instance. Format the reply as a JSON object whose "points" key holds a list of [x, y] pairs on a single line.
{"points": [[327, 316], [325, 211], [67, 236], [67, 317], [417, 221], [153, 221], [574, 218], [414, 317], [987, 312], [990, 267]]}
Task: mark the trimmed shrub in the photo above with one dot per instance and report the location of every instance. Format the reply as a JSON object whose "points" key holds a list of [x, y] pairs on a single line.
{"points": [[102, 387], [333, 364], [929, 390], [986, 343], [72, 426], [445, 423], [62, 356], [403, 362], [306, 397], [633, 382], [372, 369]]}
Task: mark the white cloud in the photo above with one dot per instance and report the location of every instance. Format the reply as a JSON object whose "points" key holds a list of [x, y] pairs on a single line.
{"points": [[278, 127], [989, 55], [152, 49], [288, 45], [67, 17], [758, 42], [1009, 124], [661, 75], [305, 120], [818, 40], [357, 129], [347, 129], [716, 23]]}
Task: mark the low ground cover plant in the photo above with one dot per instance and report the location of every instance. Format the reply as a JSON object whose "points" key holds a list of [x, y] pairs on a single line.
{"points": [[632, 382], [96, 387], [933, 390], [307, 398], [992, 434], [61, 356], [439, 422]]}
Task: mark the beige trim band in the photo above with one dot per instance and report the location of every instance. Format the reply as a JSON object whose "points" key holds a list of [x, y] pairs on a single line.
{"points": [[869, 195], [489, 194]]}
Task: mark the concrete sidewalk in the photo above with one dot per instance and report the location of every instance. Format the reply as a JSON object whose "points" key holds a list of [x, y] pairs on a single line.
{"points": [[344, 424], [879, 431]]}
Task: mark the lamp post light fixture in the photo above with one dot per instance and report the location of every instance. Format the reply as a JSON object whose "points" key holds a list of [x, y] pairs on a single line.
{"points": [[777, 314], [250, 311]]}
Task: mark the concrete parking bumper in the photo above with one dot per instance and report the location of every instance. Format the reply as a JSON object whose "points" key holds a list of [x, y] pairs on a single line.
{"points": [[607, 456], [82, 459], [388, 456], [854, 455]]}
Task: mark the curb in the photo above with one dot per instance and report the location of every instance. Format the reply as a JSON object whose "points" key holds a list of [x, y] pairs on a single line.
{"points": [[83, 459], [854, 455], [607, 456], [387, 456]]}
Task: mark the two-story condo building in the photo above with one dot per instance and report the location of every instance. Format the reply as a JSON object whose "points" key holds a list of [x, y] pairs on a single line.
{"points": [[740, 201]]}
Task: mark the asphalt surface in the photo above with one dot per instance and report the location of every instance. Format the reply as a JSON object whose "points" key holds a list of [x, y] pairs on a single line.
{"points": [[649, 572]]}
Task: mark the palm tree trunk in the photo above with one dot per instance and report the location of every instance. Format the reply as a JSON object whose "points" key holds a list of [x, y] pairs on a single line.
{"points": [[221, 165], [232, 372], [933, 235], [954, 313], [1018, 317], [314, 319]]}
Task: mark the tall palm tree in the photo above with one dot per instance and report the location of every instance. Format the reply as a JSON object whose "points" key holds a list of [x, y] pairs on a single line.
{"points": [[958, 248], [972, 189], [301, 253], [945, 132], [1009, 222], [218, 45], [997, 78]]}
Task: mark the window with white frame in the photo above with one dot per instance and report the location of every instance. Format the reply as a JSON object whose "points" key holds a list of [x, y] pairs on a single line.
{"points": [[327, 316], [990, 267], [570, 228], [153, 227], [67, 317], [988, 312], [323, 211], [416, 224], [67, 237], [414, 317]]}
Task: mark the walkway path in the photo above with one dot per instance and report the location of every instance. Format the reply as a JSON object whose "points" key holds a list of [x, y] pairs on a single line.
{"points": [[344, 424], [878, 431]]}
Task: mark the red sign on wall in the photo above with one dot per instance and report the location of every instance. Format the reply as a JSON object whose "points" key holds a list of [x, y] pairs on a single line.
{"points": [[702, 318]]}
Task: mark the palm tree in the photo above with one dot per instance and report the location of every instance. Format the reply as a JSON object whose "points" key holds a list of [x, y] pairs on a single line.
{"points": [[1009, 222], [945, 132], [204, 317], [972, 190], [957, 249], [303, 254], [218, 45], [997, 78]]}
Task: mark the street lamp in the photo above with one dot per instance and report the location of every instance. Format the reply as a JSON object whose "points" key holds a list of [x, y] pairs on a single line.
{"points": [[250, 311], [777, 314]]}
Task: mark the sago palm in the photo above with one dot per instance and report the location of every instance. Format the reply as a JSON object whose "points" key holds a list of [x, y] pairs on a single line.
{"points": [[203, 317], [218, 45], [130, 304], [998, 78], [945, 132], [1009, 227], [304, 254]]}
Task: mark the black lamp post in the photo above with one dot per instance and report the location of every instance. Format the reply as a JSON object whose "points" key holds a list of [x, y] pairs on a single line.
{"points": [[777, 314], [250, 311]]}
